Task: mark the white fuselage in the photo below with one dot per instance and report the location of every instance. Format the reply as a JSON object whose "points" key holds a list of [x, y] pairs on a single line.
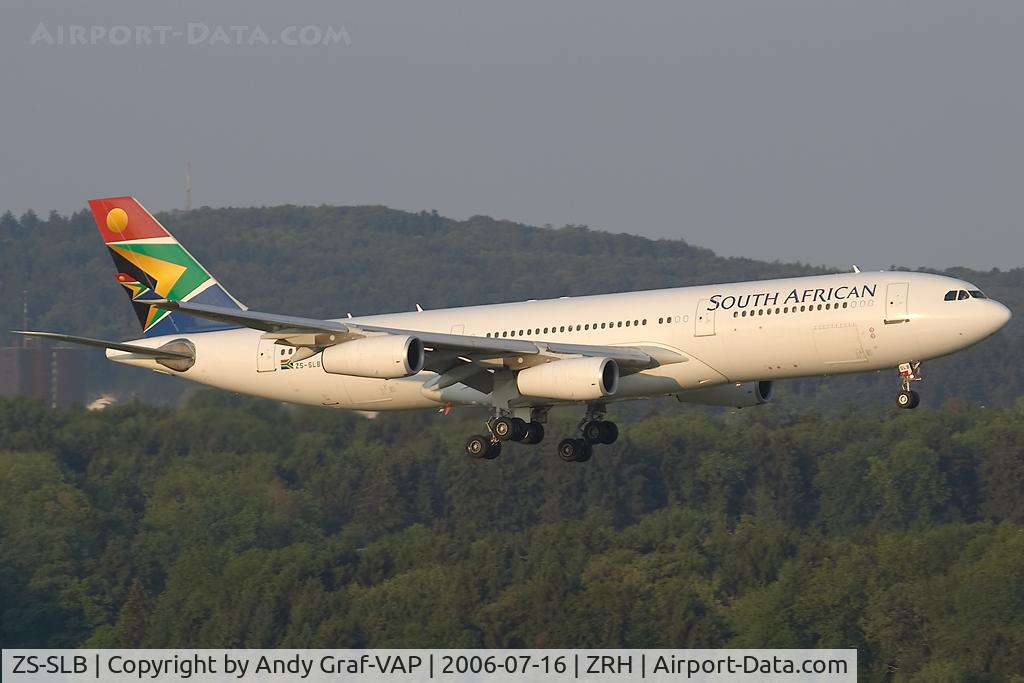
{"points": [[729, 333]]}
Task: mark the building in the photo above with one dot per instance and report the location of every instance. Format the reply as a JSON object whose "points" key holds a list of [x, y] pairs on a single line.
{"points": [[39, 369]]}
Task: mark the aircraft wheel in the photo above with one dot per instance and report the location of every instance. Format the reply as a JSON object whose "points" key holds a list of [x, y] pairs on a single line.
{"points": [[594, 431], [908, 399], [600, 431], [586, 453], [510, 428], [493, 450], [534, 433], [519, 427], [611, 433], [477, 446], [574, 450]]}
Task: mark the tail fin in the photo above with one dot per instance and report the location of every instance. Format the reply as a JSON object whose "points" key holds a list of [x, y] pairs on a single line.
{"points": [[150, 264]]}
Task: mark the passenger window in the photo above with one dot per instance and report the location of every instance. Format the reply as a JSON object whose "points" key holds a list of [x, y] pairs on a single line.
{"points": [[950, 295]]}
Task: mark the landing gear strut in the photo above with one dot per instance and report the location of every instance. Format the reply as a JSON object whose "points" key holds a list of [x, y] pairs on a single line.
{"points": [[909, 372]]}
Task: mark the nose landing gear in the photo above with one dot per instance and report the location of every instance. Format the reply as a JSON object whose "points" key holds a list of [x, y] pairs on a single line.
{"points": [[909, 372]]}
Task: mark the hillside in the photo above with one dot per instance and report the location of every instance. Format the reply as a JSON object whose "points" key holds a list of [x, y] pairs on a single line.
{"points": [[325, 261], [238, 523]]}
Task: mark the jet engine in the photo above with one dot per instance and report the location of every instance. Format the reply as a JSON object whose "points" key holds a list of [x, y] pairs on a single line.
{"points": [[386, 357], [732, 395], [574, 379]]}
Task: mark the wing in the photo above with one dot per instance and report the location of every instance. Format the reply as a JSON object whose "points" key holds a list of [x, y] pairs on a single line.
{"points": [[447, 352]]}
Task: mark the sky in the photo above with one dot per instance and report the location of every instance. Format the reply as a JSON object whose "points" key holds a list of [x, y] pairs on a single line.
{"points": [[869, 133]]}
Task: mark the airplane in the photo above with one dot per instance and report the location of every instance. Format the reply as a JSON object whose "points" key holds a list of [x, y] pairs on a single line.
{"points": [[721, 345]]}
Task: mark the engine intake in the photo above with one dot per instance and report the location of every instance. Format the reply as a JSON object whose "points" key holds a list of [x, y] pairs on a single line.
{"points": [[575, 379], [731, 395], [385, 357]]}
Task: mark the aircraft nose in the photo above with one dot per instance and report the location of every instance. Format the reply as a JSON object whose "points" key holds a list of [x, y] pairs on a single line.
{"points": [[997, 315]]}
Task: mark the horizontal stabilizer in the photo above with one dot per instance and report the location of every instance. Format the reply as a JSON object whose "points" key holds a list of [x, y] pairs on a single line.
{"points": [[117, 346]]}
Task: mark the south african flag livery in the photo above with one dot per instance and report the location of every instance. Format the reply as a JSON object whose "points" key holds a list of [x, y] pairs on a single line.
{"points": [[151, 265]]}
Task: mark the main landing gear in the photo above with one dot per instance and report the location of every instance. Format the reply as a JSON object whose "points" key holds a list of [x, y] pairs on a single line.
{"points": [[506, 428], [909, 372], [594, 430]]}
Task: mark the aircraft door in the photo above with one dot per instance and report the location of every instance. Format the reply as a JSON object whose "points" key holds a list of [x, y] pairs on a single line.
{"points": [[266, 360], [896, 302], [703, 320]]}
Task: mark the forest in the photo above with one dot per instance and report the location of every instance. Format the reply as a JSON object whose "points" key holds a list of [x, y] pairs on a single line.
{"points": [[325, 261], [230, 522]]}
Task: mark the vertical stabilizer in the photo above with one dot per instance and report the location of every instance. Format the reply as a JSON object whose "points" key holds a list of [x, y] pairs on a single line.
{"points": [[150, 264]]}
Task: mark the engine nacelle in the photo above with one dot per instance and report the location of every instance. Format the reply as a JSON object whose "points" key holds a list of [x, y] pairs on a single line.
{"points": [[388, 356], [574, 379], [731, 395]]}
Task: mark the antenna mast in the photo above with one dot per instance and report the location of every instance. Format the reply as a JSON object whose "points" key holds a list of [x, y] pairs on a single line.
{"points": [[188, 185]]}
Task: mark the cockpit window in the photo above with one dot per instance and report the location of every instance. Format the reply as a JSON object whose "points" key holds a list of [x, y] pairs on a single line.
{"points": [[961, 295], [978, 294], [950, 295]]}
